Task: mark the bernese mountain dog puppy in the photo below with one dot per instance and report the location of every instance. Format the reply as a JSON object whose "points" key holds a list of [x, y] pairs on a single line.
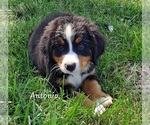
{"points": [[65, 47]]}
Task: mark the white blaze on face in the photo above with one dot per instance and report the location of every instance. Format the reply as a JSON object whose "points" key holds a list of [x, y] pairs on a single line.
{"points": [[69, 33], [70, 58]]}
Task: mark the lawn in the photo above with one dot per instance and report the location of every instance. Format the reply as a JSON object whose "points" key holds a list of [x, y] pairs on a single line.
{"points": [[119, 69]]}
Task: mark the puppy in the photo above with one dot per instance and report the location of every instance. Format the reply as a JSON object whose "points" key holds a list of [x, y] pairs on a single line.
{"points": [[65, 47]]}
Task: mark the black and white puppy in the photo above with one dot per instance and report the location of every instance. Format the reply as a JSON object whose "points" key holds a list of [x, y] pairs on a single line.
{"points": [[66, 48]]}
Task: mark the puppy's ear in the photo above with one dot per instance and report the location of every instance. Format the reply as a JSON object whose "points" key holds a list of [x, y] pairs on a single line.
{"points": [[46, 56], [45, 45], [98, 42]]}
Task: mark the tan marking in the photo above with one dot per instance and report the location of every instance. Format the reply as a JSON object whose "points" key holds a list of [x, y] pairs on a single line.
{"points": [[84, 60], [78, 39], [92, 89], [61, 41], [58, 60]]}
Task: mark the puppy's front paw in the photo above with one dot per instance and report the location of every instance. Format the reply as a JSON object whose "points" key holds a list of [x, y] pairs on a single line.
{"points": [[102, 104], [105, 101], [99, 110]]}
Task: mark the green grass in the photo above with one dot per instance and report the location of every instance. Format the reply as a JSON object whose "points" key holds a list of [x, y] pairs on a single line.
{"points": [[118, 69]]}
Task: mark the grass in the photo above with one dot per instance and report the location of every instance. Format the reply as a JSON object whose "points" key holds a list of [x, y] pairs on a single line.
{"points": [[118, 69]]}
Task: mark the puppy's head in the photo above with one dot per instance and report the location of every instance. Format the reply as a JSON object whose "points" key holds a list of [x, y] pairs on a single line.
{"points": [[72, 43]]}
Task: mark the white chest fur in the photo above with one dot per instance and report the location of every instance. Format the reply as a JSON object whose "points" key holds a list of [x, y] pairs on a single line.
{"points": [[76, 79]]}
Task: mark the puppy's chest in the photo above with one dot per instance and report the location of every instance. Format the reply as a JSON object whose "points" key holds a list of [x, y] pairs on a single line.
{"points": [[76, 80]]}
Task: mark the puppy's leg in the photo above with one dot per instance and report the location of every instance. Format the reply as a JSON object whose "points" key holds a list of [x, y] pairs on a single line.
{"points": [[86, 102], [92, 89]]}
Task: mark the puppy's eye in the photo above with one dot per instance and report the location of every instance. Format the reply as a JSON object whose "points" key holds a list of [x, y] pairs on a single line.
{"points": [[81, 46], [61, 48]]}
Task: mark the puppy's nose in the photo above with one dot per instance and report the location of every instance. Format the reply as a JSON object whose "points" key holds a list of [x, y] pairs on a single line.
{"points": [[70, 67]]}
